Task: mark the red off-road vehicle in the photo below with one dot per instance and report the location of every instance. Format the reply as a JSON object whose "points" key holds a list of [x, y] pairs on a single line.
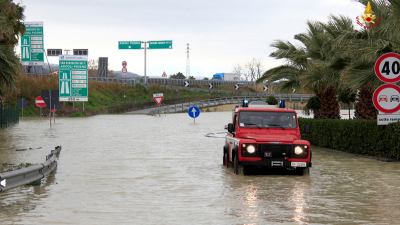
{"points": [[265, 137]]}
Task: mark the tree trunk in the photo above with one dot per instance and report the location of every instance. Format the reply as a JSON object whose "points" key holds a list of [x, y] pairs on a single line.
{"points": [[364, 107], [329, 104]]}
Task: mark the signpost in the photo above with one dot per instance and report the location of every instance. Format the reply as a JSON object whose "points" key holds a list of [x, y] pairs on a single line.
{"points": [[386, 98], [73, 78], [32, 46], [167, 44], [194, 112], [160, 44], [124, 69], [186, 83], [39, 102], [129, 45], [158, 98], [387, 67]]}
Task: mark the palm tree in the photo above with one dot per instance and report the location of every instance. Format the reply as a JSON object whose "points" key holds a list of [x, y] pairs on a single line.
{"points": [[11, 27], [363, 47], [316, 65]]}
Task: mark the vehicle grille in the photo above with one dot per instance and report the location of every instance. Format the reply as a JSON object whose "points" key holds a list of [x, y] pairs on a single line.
{"points": [[275, 151]]}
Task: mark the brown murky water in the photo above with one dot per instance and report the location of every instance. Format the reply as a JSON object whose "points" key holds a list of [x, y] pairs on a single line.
{"points": [[129, 169]]}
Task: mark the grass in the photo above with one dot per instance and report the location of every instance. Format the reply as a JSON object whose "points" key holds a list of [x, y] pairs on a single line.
{"points": [[103, 97]]}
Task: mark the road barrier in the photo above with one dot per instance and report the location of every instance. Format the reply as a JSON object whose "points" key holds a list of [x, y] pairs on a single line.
{"points": [[172, 82], [31, 174], [227, 100]]}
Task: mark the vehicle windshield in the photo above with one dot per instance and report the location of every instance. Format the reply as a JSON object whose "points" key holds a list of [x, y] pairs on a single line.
{"points": [[267, 119]]}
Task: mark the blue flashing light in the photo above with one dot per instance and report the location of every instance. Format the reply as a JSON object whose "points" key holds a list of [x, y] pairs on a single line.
{"points": [[245, 103]]}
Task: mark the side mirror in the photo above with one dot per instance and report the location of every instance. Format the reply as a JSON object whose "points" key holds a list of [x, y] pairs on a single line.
{"points": [[231, 128]]}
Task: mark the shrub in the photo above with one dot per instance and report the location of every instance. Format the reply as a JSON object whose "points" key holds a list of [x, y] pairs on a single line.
{"points": [[271, 100], [354, 136]]}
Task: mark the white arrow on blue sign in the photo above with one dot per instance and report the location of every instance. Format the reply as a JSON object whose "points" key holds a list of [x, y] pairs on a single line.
{"points": [[194, 111]]}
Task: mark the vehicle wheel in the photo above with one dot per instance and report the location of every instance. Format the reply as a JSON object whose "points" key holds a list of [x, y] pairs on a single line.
{"points": [[236, 166], [225, 160], [302, 171]]}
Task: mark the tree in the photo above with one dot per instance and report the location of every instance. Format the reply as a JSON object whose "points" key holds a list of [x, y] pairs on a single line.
{"points": [[237, 69], [191, 78], [347, 96], [179, 75], [11, 27], [365, 47]]}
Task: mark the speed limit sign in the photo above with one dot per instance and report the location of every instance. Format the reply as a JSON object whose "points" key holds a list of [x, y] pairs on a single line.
{"points": [[387, 67]]}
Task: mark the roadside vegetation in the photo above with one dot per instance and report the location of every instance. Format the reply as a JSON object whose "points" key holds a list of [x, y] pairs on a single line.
{"points": [[362, 137], [337, 58], [11, 27], [103, 97]]}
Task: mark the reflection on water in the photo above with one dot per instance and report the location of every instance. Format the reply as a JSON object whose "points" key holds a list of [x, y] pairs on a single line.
{"points": [[128, 169]]}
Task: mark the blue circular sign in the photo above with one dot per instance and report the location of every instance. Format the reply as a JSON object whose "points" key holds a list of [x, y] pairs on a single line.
{"points": [[194, 111]]}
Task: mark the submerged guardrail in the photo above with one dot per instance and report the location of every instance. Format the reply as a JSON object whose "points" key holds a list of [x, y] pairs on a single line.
{"points": [[31, 174]]}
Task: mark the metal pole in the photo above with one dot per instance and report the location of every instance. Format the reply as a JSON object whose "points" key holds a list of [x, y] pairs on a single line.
{"points": [[145, 63], [47, 58], [50, 106]]}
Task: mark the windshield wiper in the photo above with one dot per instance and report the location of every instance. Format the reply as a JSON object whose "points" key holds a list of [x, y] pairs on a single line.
{"points": [[276, 125], [253, 124]]}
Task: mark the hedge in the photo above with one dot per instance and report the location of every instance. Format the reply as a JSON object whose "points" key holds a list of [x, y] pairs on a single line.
{"points": [[355, 136]]}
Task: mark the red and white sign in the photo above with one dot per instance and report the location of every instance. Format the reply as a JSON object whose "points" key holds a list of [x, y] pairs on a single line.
{"points": [[164, 75], [387, 67], [39, 102], [386, 98], [124, 63], [124, 70], [158, 98]]}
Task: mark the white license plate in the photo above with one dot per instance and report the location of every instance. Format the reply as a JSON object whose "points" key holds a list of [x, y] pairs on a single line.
{"points": [[298, 164]]}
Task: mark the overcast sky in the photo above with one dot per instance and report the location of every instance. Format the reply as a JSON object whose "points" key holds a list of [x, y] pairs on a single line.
{"points": [[221, 33]]}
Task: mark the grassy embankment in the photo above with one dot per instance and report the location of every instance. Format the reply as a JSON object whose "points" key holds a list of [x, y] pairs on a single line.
{"points": [[103, 97]]}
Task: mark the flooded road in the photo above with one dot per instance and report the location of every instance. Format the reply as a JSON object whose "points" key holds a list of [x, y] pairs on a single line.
{"points": [[130, 169]]}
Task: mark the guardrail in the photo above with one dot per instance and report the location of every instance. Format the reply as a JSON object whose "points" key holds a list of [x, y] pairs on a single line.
{"points": [[171, 82], [228, 100], [31, 174]]}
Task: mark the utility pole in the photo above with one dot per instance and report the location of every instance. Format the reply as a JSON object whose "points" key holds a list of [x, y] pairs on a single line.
{"points": [[187, 61], [145, 63]]}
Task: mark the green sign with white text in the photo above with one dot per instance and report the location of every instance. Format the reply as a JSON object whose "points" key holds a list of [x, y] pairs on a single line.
{"points": [[32, 45], [160, 44], [73, 78], [130, 45]]}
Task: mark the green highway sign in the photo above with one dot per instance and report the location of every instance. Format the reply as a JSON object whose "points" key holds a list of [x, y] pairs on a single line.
{"points": [[32, 46], [130, 45], [73, 78], [160, 44]]}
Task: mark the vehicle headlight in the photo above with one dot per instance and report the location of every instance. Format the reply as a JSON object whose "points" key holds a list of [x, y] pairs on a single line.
{"points": [[251, 149], [298, 150]]}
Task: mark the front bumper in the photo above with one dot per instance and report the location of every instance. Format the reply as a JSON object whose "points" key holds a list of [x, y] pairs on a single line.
{"points": [[276, 163]]}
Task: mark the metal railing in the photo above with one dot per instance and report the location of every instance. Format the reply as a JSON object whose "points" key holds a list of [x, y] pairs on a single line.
{"points": [[175, 108], [171, 82], [8, 115], [31, 174]]}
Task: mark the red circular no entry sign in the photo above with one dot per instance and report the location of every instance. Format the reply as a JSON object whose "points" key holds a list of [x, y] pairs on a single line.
{"points": [[39, 102], [387, 67], [387, 98]]}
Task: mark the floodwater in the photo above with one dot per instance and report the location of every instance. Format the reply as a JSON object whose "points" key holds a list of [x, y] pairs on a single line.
{"points": [[133, 169]]}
